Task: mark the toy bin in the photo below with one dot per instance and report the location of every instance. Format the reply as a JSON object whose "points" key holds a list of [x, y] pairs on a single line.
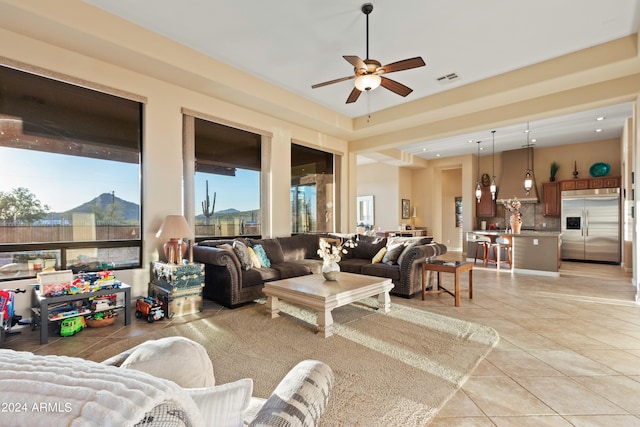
{"points": [[55, 283]]}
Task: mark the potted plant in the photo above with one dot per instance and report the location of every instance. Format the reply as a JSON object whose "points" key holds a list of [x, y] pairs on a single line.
{"points": [[553, 171]]}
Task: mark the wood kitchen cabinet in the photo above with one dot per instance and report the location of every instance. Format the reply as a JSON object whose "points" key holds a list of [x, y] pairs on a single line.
{"points": [[551, 198], [574, 184], [583, 184], [487, 206]]}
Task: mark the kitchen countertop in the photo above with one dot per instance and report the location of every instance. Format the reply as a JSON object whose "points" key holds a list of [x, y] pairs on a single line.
{"points": [[522, 233], [533, 252]]}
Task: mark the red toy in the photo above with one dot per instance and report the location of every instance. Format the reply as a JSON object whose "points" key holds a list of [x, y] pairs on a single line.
{"points": [[8, 318]]}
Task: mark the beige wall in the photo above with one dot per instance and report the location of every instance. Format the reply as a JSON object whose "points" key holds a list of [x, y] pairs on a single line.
{"points": [[451, 188], [383, 182]]}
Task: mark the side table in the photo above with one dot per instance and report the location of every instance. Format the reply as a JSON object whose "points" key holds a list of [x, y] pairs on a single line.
{"points": [[457, 268], [42, 303]]}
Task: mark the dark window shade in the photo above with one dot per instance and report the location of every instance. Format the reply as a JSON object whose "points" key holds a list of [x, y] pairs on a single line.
{"points": [[43, 114], [221, 149], [308, 161]]}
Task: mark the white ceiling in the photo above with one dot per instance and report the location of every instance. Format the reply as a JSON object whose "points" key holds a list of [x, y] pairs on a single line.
{"points": [[297, 43]]}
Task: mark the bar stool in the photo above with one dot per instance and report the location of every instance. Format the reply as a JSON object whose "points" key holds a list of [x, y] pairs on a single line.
{"points": [[482, 246], [501, 243]]}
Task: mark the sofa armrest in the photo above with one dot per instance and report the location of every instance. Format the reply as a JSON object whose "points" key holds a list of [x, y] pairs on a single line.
{"points": [[411, 269], [300, 399], [222, 274]]}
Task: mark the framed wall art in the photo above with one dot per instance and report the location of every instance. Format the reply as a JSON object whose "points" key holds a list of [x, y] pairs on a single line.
{"points": [[406, 209]]}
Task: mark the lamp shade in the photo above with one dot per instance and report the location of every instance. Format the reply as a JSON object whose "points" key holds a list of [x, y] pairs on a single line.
{"points": [[174, 228], [367, 82]]}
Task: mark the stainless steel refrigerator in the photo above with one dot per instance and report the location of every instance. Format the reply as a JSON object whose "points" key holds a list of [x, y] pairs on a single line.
{"points": [[591, 225]]}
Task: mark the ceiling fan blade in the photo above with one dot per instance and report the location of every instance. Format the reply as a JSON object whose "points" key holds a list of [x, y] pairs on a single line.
{"points": [[354, 95], [395, 87], [355, 61], [406, 64], [330, 82]]}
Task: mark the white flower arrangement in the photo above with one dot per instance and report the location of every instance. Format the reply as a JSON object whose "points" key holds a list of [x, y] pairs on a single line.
{"points": [[513, 205], [329, 252]]}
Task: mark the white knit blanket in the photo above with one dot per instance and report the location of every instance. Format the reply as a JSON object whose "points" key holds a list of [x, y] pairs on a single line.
{"points": [[67, 391]]}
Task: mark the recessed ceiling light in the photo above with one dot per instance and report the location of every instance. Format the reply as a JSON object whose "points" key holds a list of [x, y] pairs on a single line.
{"points": [[424, 149], [437, 155], [600, 118], [598, 130], [471, 140]]}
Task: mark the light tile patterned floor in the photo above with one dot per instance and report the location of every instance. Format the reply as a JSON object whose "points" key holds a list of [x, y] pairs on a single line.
{"points": [[569, 352]]}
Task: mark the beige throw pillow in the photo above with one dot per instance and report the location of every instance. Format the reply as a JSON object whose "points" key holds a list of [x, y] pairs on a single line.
{"points": [[179, 359]]}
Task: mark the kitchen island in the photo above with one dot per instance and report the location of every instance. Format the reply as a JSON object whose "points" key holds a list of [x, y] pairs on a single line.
{"points": [[534, 252]]}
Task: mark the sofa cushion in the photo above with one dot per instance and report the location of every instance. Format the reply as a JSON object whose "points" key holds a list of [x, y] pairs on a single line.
{"points": [[252, 277], [368, 246], [300, 246], [267, 274], [262, 255], [382, 270], [292, 269], [272, 248], [393, 252], [353, 265], [243, 254], [165, 358], [378, 257], [255, 261]]}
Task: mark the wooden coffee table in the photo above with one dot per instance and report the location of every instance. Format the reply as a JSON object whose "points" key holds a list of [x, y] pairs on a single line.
{"points": [[322, 295]]}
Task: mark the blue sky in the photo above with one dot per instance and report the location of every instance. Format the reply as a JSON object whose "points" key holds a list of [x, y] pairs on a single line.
{"points": [[64, 182]]}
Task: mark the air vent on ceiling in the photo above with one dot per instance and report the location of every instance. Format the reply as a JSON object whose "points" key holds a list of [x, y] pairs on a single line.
{"points": [[447, 78]]}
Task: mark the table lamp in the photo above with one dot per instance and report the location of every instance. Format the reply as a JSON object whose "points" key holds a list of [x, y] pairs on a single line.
{"points": [[174, 227]]}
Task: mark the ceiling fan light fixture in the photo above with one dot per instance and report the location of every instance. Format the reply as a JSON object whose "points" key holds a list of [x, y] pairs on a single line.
{"points": [[367, 82]]}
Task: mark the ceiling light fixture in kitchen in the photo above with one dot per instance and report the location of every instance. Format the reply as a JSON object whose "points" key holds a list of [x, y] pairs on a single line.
{"points": [[493, 188], [478, 189], [528, 178]]}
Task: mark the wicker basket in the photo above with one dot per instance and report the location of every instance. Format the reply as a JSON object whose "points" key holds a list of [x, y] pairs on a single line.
{"points": [[93, 323]]}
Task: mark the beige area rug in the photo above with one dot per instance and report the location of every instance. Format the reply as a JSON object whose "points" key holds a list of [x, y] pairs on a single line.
{"points": [[394, 369]]}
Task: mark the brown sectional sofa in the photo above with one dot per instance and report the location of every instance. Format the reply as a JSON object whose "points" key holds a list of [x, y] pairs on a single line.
{"points": [[231, 284]]}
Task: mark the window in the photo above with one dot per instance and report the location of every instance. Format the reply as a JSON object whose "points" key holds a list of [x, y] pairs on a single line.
{"points": [[227, 181], [312, 190], [69, 177]]}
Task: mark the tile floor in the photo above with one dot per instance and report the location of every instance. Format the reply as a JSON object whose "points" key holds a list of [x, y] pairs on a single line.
{"points": [[569, 353]]}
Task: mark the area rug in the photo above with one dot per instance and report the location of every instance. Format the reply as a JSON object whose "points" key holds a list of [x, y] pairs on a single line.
{"points": [[394, 369]]}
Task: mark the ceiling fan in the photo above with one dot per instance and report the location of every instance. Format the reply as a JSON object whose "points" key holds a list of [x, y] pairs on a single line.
{"points": [[368, 72]]}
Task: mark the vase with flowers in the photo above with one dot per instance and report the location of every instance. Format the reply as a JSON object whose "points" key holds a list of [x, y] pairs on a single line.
{"points": [[331, 255], [515, 220]]}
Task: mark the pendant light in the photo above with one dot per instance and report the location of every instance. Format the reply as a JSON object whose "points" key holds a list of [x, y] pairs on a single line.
{"points": [[528, 178], [478, 189], [493, 188]]}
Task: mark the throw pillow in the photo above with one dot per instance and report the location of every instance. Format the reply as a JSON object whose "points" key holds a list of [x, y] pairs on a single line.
{"points": [[368, 246], [262, 256], [376, 259], [393, 252], [223, 405], [179, 359], [407, 248], [242, 253], [255, 261]]}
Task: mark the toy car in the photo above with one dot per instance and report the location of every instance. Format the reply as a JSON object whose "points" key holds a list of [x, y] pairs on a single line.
{"points": [[72, 326], [149, 307]]}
